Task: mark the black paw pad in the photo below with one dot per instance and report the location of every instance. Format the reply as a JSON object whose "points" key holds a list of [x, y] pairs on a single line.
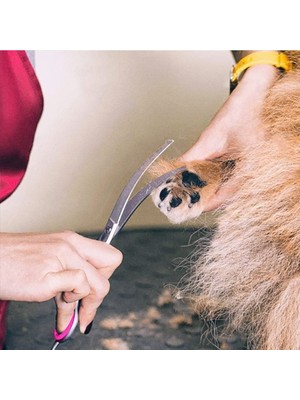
{"points": [[195, 197], [191, 179], [175, 202], [163, 194]]}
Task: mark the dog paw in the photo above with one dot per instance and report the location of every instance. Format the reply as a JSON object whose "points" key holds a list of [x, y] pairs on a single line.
{"points": [[180, 198]]}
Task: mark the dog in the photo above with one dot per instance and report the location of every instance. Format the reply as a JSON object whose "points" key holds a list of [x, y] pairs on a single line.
{"points": [[250, 273]]}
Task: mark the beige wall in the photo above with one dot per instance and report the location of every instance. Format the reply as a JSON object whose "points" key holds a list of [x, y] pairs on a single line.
{"points": [[105, 112]]}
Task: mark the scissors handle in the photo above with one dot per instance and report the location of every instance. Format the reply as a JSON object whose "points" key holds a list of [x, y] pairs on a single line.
{"points": [[66, 334]]}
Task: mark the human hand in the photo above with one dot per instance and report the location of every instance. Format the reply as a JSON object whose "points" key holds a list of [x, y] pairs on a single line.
{"points": [[236, 126], [64, 266]]}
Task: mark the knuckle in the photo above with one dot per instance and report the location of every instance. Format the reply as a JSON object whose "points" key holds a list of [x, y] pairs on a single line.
{"points": [[103, 288], [68, 235], [80, 277], [61, 245]]}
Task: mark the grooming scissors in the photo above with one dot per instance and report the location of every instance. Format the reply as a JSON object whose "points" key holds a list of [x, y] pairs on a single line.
{"points": [[120, 214]]}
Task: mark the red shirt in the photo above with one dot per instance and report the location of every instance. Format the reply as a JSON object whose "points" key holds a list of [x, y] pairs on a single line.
{"points": [[21, 106]]}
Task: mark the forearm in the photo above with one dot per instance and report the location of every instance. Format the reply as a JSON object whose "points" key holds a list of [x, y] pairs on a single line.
{"points": [[240, 113]]}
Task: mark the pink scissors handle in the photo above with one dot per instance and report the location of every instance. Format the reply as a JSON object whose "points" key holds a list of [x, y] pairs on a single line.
{"points": [[65, 334]]}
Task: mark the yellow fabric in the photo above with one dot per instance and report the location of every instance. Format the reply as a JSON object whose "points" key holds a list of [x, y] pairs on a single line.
{"points": [[279, 60]]}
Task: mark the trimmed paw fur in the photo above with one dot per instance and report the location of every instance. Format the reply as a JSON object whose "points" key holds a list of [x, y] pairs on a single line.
{"points": [[179, 198], [184, 196]]}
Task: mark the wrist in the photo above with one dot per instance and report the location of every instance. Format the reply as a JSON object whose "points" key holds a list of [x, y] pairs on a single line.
{"points": [[260, 74], [271, 59]]}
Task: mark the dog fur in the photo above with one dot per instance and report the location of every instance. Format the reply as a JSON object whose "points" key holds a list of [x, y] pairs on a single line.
{"points": [[250, 273]]}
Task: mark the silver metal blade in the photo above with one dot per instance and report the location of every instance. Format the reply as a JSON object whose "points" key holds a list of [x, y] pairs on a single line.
{"points": [[137, 200], [126, 193]]}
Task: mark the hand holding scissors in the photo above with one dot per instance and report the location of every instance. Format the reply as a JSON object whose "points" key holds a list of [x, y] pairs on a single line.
{"points": [[121, 212]]}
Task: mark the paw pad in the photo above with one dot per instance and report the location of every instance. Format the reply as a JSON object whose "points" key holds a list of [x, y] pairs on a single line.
{"points": [[177, 196], [190, 179], [195, 197], [164, 193], [175, 202]]}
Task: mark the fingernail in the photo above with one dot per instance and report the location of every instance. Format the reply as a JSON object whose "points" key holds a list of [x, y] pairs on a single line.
{"points": [[88, 328]]}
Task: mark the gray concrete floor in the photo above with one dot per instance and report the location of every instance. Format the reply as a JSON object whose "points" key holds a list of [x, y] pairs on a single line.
{"points": [[139, 312]]}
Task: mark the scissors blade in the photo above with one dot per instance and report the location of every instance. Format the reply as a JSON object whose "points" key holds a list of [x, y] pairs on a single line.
{"points": [[137, 200], [118, 210], [124, 196]]}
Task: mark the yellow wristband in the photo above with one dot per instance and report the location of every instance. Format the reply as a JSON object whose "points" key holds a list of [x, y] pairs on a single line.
{"points": [[279, 60]]}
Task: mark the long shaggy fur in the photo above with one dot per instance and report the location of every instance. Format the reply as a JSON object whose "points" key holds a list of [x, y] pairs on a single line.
{"points": [[251, 270]]}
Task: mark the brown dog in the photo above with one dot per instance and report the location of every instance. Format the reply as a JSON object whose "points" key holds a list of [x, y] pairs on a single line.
{"points": [[251, 270]]}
